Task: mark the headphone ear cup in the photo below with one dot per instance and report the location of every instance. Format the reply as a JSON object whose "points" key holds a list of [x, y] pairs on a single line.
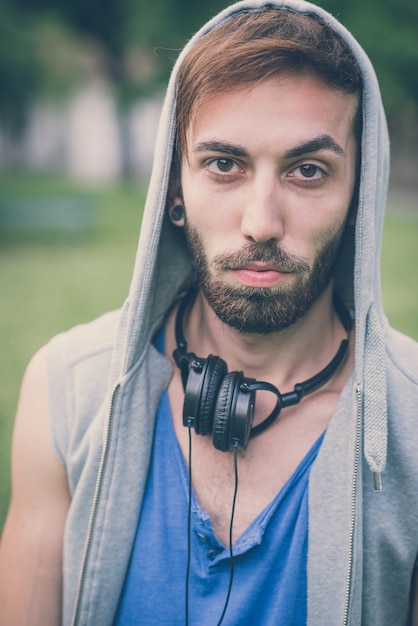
{"points": [[234, 411], [201, 392], [215, 375], [222, 414]]}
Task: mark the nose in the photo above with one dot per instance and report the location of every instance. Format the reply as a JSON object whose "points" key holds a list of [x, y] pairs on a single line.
{"points": [[263, 211]]}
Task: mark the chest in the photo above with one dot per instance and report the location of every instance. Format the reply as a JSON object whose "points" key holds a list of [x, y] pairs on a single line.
{"points": [[269, 557], [261, 470]]}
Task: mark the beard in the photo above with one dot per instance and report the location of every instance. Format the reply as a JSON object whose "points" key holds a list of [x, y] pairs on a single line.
{"points": [[264, 310]]}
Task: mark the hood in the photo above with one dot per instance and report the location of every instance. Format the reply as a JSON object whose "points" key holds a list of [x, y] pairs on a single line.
{"points": [[163, 270]]}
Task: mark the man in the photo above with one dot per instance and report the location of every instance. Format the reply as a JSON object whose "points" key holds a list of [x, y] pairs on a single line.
{"points": [[236, 445]]}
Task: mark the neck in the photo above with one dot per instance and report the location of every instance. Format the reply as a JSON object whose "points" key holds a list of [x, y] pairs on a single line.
{"points": [[284, 357]]}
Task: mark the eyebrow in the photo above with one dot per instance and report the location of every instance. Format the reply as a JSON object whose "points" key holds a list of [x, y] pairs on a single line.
{"points": [[220, 146], [323, 142]]}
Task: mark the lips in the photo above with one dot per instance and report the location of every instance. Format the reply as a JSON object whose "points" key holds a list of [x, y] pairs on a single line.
{"points": [[260, 275], [262, 267], [260, 264]]}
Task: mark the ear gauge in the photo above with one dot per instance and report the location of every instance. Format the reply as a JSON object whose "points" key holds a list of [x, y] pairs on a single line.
{"points": [[177, 213]]}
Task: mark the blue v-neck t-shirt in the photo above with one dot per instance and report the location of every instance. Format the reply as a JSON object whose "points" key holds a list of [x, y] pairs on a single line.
{"points": [[270, 557], [269, 586]]}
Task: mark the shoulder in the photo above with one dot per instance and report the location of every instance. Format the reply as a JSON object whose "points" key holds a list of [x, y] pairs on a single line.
{"points": [[402, 392], [80, 357], [77, 376], [402, 352], [86, 341]]}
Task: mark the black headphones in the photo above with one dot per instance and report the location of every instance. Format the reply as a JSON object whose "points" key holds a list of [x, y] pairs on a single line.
{"points": [[221, 403]]}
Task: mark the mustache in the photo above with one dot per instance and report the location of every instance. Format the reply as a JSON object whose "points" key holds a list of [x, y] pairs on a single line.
{"points": [[269, 252]]}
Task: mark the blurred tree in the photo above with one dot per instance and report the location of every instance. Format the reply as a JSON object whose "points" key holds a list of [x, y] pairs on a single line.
{"points": [[138, 40], [39, 57], [156, 37], [388, 32], [19, 71]]}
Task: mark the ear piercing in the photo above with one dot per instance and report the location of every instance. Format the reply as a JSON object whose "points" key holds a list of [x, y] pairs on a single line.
{"points": [[177, 213]]}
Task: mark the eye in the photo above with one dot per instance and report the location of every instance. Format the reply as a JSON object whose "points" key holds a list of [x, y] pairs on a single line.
{"points": [[308, 171], [222, 164]]}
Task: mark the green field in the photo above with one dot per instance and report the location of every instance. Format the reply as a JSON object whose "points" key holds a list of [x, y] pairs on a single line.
{"points": [[53, 280]]}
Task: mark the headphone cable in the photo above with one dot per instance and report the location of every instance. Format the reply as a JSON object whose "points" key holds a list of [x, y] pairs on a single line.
{"points": [[231, 523], [189, 526], [189, 530]]}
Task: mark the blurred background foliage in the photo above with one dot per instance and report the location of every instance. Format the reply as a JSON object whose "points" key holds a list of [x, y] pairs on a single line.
{"points": [[47, 47]]}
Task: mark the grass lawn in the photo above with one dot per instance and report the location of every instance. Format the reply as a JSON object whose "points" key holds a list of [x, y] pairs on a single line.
{"points": [[49, 282], [52, 281], [399, 269]]}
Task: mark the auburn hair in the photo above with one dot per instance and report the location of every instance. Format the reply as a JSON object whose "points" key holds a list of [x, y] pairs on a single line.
{"points": [[254, 46]]}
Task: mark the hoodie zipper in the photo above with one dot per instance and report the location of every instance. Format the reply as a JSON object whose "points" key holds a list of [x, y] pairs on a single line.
{"points": [[93, 511], [353, 506]]}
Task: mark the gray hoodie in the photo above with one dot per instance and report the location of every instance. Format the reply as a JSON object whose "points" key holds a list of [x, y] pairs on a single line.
{"points": [[106, 380]]}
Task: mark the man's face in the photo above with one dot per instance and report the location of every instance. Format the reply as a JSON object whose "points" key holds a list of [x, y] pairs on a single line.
{"points": [[267, 181]]}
